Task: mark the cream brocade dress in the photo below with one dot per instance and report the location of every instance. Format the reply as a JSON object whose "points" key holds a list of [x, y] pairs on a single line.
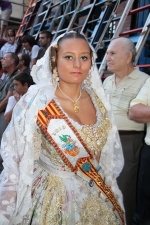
{"points": [[59, 196]]}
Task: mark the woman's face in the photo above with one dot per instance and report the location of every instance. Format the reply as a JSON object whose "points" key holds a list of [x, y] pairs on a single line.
{"points": [[73, 60], [10, 32], [27, 46]]}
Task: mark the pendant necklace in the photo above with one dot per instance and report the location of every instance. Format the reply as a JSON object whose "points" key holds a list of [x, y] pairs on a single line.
{"points": [[75, 106]]}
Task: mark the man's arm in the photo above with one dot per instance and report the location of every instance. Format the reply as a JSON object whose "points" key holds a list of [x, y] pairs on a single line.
{"points": [[140, 113], [139, 107], [33, 62], [34, 54], [3, 103]]}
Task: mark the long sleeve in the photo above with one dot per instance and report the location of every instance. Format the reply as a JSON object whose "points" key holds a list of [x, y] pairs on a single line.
{"points": [[18, 150]]}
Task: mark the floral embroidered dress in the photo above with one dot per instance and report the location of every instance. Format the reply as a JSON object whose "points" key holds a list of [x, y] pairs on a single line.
{"points": [[62, 197], [50, 173]]}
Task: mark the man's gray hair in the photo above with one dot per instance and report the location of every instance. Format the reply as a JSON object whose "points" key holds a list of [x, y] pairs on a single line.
{"points": [[129, 46]]}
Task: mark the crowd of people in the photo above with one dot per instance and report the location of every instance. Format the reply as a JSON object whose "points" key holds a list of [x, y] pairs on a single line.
{"points": [[13, 63], [74, 150]]}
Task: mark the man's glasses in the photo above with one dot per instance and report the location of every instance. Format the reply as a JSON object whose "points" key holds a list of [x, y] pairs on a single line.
{"points": [[4, 58]]}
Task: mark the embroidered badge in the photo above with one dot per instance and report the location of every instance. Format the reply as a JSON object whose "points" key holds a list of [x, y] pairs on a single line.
{"points": [[70, 147], [87, 167]]}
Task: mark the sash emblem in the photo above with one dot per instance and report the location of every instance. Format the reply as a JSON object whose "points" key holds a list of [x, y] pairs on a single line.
{"points": [[86, 167], [70, 147]]}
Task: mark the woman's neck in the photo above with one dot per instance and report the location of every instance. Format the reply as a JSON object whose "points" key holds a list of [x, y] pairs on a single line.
{"points": [[73, 91]]}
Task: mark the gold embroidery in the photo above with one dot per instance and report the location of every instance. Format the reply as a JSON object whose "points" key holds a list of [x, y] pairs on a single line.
{"points": [[95, 212], [96, 136], [52, 203], [103, 111], [37, 143]]}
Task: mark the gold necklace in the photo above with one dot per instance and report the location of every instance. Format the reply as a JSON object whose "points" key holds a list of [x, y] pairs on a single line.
{"points": [[75, 106]]}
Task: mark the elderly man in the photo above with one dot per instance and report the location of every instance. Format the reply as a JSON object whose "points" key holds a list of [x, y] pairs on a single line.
{"points": [[140, 112], [9, 63], [122, 87], [45, 38]]}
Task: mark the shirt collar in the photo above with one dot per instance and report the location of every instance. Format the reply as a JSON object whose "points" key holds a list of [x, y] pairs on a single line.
{"points": [[134, 75]]}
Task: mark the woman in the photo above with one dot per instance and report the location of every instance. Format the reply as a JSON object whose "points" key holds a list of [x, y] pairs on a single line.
{"points": [[65, 124], [11, 44], [31, 48]]}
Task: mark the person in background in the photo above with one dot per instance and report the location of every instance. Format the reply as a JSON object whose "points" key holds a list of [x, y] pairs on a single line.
{"points": [[1, 73], [24, 63], [45, 38], [140, 112], [6, 11], [31, 48], [22, 82], [122, 87], [9, 64], [11, 44], [61, 150]]}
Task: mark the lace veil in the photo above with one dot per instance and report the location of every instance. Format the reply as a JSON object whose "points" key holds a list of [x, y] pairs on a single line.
{"points": [[21, 142]]}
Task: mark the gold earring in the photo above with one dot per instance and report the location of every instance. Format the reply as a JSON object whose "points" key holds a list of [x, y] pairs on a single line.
{"points": [[55, 76]]}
